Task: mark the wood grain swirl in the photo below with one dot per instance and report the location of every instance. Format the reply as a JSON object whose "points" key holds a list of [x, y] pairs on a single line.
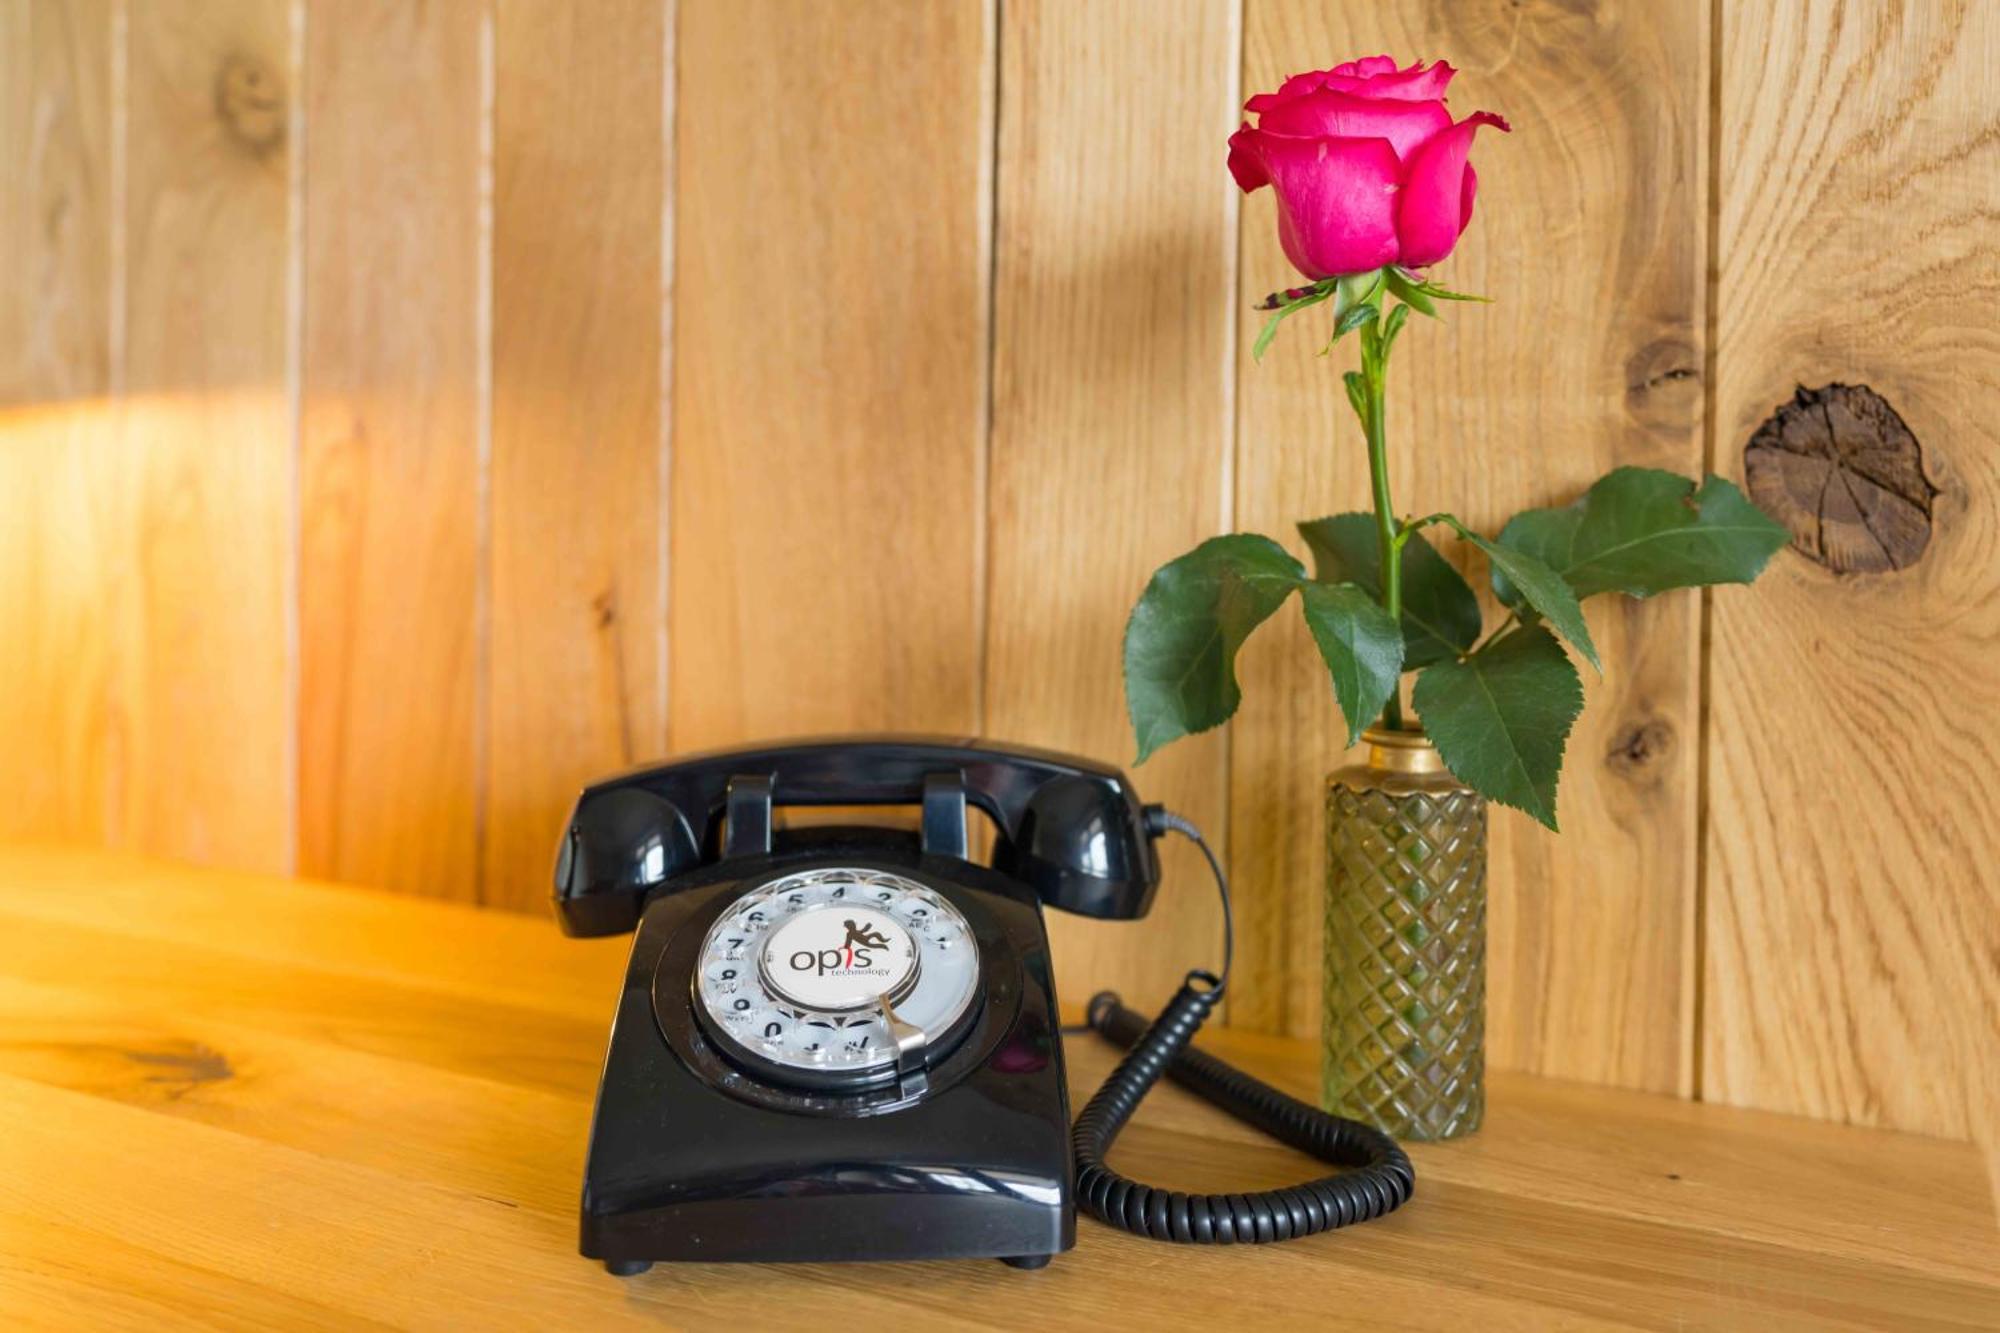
{"points": [[1853, 906]]}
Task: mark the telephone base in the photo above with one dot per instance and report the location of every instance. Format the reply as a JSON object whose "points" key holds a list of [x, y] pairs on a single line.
{"points": [[693, 1161]]}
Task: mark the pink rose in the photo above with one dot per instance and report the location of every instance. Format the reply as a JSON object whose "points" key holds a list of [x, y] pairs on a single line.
{"points": [[1367, 165]]}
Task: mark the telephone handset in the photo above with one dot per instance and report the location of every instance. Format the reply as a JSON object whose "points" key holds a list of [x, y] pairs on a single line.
{"points": [[841, 1042]]}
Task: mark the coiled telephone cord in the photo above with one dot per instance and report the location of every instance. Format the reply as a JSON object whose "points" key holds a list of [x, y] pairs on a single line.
{"points": [[1379, 1180]]}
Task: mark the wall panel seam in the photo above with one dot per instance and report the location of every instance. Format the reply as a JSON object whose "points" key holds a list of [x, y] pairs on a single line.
{"points": [[482, 361], [670, 17], [120, 58], [295, 321], [113, 797], [989, 238], [1232, 254], [1697, 969]]}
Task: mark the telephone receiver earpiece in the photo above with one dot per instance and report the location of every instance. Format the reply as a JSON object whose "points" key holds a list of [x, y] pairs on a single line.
{"points": [[1081, 846], [623, 842]]}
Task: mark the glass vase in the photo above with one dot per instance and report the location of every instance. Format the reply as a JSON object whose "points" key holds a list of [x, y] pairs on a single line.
{"points": [[1405, 983]]}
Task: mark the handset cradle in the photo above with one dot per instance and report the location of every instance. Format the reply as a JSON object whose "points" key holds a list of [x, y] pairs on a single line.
{"points": [[1069, 828]]}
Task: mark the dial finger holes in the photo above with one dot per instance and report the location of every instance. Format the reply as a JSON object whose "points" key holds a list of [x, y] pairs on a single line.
{"points": [[792, 975]]}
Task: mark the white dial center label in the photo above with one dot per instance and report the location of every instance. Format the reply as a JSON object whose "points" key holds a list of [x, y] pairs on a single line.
{"points": [[839, 956]]}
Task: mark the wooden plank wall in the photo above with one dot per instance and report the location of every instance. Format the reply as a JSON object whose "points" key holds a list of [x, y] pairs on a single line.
{"points": [[1112, 384], [829, 444], [203, 540], [56, 225], [392, 466], [1853, 908], [407, 411]]}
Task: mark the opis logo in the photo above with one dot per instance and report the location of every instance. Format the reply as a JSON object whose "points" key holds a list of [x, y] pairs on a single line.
{"points": [[851, 957]]}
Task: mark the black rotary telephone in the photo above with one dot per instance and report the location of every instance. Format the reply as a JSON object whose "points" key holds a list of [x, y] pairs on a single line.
{"points": [[841, 1042]]}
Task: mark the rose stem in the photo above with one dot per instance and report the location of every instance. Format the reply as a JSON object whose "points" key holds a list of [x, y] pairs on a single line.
{"points": [[1372, 368]]}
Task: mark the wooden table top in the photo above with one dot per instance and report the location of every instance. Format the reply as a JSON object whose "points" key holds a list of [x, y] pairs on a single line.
{"points": [[240, 1101]]}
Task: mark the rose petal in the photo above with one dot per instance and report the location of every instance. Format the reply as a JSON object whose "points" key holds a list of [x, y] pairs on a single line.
{"points": [[1433, 209], [1406, 125], [1417, 83], [1244, 163], [1465, 207], [1336, 200], [1298, 85], [1368, 66]]}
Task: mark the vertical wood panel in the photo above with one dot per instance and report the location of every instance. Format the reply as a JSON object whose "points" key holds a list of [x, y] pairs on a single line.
{"points": [[389, 483], [1853, 907], [1111, 422], [55, 97], [57, 422], [829, 385], [204, 478], [1588, 235], [576, 418]]}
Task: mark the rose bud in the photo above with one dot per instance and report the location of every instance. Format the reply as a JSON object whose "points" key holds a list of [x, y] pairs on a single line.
{"points": [[1367, 165]]}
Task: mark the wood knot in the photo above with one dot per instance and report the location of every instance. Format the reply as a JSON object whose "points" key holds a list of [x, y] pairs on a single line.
{"points": [[604, 608], [179, 1067], [1641, 748], [1663, 385], [250, 100], [1842, 470]]}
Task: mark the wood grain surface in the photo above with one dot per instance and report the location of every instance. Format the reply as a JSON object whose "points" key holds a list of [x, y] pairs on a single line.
{"points": [[1588, 359], [1853, 906], [829, 444], [1112, 371], [203, 566], [394, 1137], [575, 644], [389, 472], [56, 413]]}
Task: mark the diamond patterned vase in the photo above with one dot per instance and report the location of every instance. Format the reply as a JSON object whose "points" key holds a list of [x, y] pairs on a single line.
{"points": [[1405, 987]]}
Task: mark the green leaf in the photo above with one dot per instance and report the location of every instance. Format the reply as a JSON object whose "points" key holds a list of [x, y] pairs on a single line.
{"points": [[1181, 642], [1500, 717], [1541, 587], [1409, 293], [1435, 292], [1357, 394], [1352, 320], [1363, 651], [1270, 329], [1640, 531], [1440, 612], [1392, 326]]}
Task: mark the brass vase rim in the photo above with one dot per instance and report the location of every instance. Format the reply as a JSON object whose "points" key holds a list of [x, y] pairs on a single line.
{"points": [[1406, 750]]}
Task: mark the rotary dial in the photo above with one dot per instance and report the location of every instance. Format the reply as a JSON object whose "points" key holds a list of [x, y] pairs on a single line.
{"points": [[836, 975]]}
